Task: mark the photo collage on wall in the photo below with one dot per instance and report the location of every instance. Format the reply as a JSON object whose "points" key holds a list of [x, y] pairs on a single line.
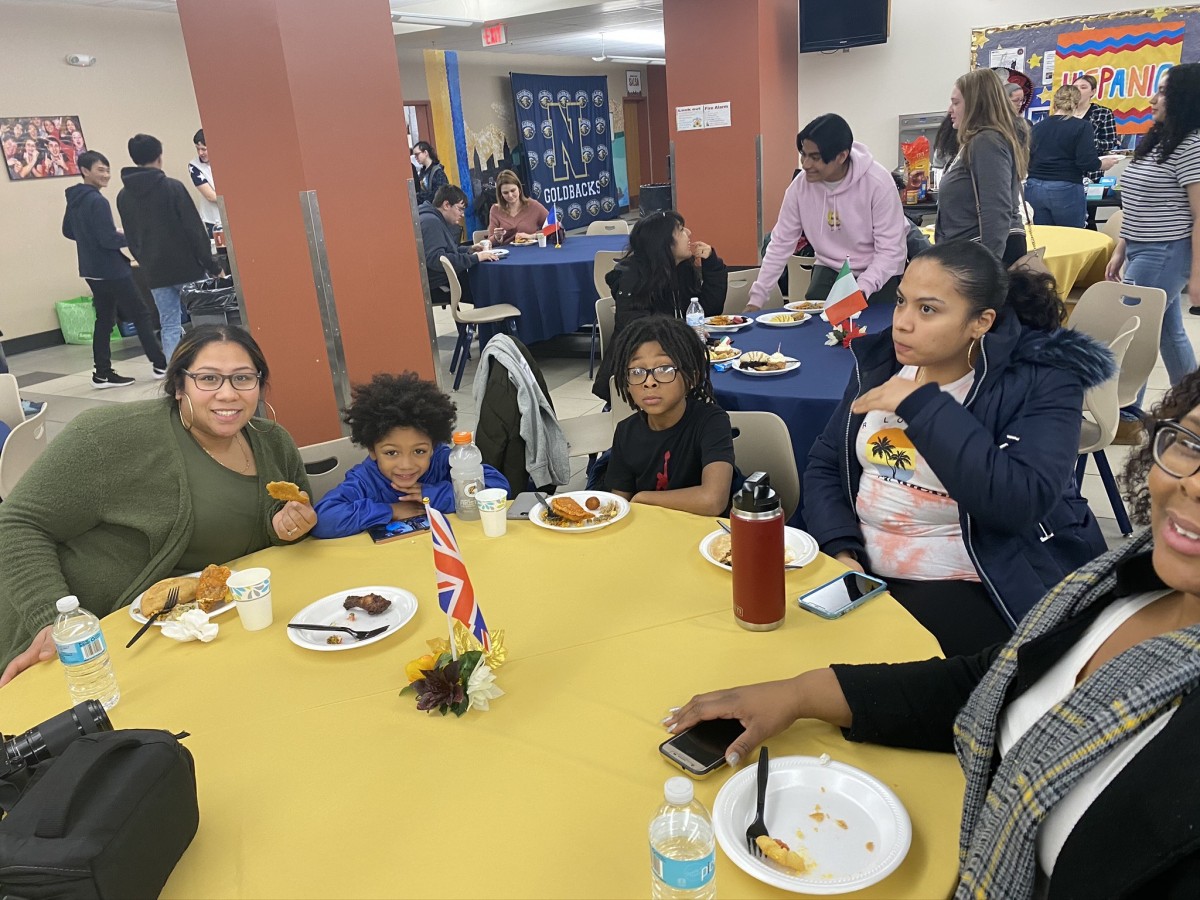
{"points": [[41, 146]]}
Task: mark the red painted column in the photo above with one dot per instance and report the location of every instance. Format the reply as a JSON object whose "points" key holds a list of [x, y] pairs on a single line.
{"points": [[299, 95], [744, 53]]}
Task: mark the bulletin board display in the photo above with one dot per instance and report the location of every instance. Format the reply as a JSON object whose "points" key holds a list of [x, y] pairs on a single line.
{"points": [[1127, 53]]}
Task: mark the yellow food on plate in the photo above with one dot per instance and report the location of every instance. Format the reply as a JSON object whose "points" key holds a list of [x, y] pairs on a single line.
{"points": [[155, 596], [211, 592], [567, 508], [286, 491], [777, 851]]}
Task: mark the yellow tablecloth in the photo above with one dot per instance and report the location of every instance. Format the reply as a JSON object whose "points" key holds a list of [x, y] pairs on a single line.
{"points": [[317, 780]]}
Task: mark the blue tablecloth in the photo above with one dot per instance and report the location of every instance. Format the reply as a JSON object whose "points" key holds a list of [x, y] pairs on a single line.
{"points": [[553, 287], [806, 397]]}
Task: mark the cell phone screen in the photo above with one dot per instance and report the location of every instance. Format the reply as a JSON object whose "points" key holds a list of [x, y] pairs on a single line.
{"points": [[707, 742], [836, 596]]}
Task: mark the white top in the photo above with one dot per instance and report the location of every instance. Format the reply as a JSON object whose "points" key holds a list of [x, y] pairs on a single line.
{"points": [[1154, 195], [201, 173], [1053, 687], [909, 523]]}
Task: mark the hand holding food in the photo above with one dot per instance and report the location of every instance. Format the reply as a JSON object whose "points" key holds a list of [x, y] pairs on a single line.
{"points": [[286, 491], [294, 521]]}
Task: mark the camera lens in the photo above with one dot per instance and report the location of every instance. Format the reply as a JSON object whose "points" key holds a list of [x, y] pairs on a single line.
{"points": [[53, 736]]}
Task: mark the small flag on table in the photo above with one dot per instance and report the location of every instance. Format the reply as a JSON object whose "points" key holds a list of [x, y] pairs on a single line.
{"points": [[551, 226], [845, 300], [456, 596]]}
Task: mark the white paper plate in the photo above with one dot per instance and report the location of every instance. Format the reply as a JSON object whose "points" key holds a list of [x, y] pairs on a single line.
{"points": [[329, 611], [135, 608], [870, 811], [792, 366], [723, 329], [736, 354], [500, 251], [805, 306], [768, 318], [803, 546], [580, 497]]}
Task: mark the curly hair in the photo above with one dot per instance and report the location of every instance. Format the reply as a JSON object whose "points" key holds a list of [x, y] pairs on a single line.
{"points": [[1178, 402], [399, 401], [677, 341], [1182, 94]]}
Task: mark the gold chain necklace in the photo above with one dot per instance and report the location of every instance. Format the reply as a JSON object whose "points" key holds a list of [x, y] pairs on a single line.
{"points": [[245, 470]]}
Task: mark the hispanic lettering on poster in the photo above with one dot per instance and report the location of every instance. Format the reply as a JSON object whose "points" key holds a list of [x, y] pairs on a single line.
{"points": [[41, 146], [703, 115]]}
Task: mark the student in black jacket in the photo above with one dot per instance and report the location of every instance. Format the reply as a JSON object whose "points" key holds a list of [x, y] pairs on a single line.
{"points": [[165, 233], [441, 226], [89, 223], [1075, 736], [1062, 151]]}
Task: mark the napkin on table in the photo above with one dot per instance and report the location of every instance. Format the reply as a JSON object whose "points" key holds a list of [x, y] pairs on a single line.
{"points": [[192, 625]]}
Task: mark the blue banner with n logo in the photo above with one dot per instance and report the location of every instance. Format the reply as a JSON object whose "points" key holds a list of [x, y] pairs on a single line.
{"points": [[566, 134]]}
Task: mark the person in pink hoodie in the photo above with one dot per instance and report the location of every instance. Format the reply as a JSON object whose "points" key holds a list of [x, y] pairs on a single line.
{"points": [[847, 207]]}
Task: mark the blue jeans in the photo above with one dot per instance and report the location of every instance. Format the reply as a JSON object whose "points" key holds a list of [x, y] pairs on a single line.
{"points": [[170, 316], [1166, 265], [1057, 202]]}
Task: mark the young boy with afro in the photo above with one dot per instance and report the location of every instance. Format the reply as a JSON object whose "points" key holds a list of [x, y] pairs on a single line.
{"points": [[405, 424]]}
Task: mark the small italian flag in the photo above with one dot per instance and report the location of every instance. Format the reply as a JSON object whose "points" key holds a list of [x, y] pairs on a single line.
{"points": [[845, 300]]}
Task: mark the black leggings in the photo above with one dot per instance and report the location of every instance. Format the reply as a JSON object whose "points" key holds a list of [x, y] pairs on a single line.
{"points": [[960, 614], [119, 296]]}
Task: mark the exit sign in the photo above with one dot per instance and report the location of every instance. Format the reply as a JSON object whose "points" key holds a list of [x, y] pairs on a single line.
{"points": [[493, 35]]}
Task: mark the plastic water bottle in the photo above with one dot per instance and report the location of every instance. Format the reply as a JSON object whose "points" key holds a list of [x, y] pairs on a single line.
{"points": [[683, 855], [83, 652], [466, 474], [695, 319]]}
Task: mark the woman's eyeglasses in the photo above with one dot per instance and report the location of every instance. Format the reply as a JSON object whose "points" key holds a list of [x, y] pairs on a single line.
{"points": [[1175, 449], [211, 381], [662, 375]]}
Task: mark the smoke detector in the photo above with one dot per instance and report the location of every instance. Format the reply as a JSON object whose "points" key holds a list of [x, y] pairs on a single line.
{"points": [[80, 59]]}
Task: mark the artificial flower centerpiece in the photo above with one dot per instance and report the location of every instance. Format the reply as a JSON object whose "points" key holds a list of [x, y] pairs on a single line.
{"points": [[844, 333], [456, 678], [845, 301]]}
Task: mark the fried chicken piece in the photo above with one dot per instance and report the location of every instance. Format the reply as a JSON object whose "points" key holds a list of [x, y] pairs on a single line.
{"points": [[286, 491], [212, 592], [566, 508], [372, 604]]}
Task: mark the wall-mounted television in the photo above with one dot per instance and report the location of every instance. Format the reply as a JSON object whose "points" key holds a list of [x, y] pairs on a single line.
{"points": [[841, 24]]}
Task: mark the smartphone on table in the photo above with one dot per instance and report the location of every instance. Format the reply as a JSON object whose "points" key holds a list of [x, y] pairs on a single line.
{"points": [[700, 750], [836, 598], [381, 534], [522, 505]]}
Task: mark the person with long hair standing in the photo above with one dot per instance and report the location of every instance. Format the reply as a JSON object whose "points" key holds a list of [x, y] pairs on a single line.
{"points": [[979, 196], [515, 216], [1104, 124], [431, 175], [947, 469], [1062, 152], [1160, 194]]}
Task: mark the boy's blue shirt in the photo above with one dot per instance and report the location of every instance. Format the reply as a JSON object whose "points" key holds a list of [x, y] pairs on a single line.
{"points": [[365, 497]]}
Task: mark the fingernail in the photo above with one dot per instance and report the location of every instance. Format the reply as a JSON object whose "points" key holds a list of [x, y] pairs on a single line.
{"points": [[674, 709], [733, 759], [671, 727], [665, 719]]}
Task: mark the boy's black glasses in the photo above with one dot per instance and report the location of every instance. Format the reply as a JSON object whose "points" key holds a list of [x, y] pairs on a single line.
{"points": [[1175, 449], [662, 374], [211, 381]]}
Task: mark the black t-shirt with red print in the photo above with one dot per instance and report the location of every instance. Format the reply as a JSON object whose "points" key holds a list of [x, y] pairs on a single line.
{"points": [[647, 460]]}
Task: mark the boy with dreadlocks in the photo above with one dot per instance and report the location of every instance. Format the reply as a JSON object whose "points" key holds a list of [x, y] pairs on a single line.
{"points": [[678, 451]]}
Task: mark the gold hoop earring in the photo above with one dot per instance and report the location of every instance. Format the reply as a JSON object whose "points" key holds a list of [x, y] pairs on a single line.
{"points": [[274, 419], [191, 412], [970, 349]]}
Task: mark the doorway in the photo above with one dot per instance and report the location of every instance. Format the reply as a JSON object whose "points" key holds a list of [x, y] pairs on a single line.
{"points": [[637, 144]]}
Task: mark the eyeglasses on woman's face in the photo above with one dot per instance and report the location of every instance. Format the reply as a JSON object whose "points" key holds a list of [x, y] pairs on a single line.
{"points": [[662, 375], [1175, 449], [211, 381]]}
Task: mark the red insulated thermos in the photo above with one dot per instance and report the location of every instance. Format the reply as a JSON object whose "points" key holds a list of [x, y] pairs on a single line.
{"points": [[756, 526]]}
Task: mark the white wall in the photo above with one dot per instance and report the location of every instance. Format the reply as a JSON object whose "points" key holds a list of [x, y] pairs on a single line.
{"points": [[140, 82], [929, 47]]}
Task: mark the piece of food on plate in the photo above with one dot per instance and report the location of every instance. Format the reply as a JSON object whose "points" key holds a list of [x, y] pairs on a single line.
{"points": [[720, 548], [592, 503], [777, 851], [286, 491], [722, 350], [155, 596], [372, 604], [758, 361], [212, 591], [567, 508]]}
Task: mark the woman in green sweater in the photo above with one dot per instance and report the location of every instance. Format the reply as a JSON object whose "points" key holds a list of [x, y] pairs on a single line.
{"points": [[136, 492]]}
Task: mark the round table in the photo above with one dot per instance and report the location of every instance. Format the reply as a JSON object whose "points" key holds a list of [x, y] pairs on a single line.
{"points": [[552, 286], [317, 780]]}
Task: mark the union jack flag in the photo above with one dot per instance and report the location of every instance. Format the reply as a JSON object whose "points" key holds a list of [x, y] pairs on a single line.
{"points": [[455, 594]]}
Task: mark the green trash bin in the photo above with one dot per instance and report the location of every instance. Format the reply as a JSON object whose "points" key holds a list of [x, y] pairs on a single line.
{"points": [[77, 319]]}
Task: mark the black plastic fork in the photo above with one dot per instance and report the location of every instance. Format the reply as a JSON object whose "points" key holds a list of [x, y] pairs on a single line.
{"points": [[172, 599], [758, 828]]}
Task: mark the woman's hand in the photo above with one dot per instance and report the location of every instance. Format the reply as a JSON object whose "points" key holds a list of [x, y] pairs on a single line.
{"points": [[886, 397], [294, 521], [1112, 272], [701, 250], [763, 709], [850, 561], [40, 649]]}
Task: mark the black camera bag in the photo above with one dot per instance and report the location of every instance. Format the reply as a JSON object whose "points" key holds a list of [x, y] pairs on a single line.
{"points": [[108, 818]]}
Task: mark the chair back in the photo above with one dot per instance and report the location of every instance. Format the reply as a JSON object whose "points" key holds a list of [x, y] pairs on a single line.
{"points": [[738, 292], [1101, 403], [24, 445], [604, 263], [326, 464], [606, 321], [455, 287], [477, 236], [1102, 312], [11, 412], [1112, 226], [800, 270], [611, 226], [762, 443]]}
